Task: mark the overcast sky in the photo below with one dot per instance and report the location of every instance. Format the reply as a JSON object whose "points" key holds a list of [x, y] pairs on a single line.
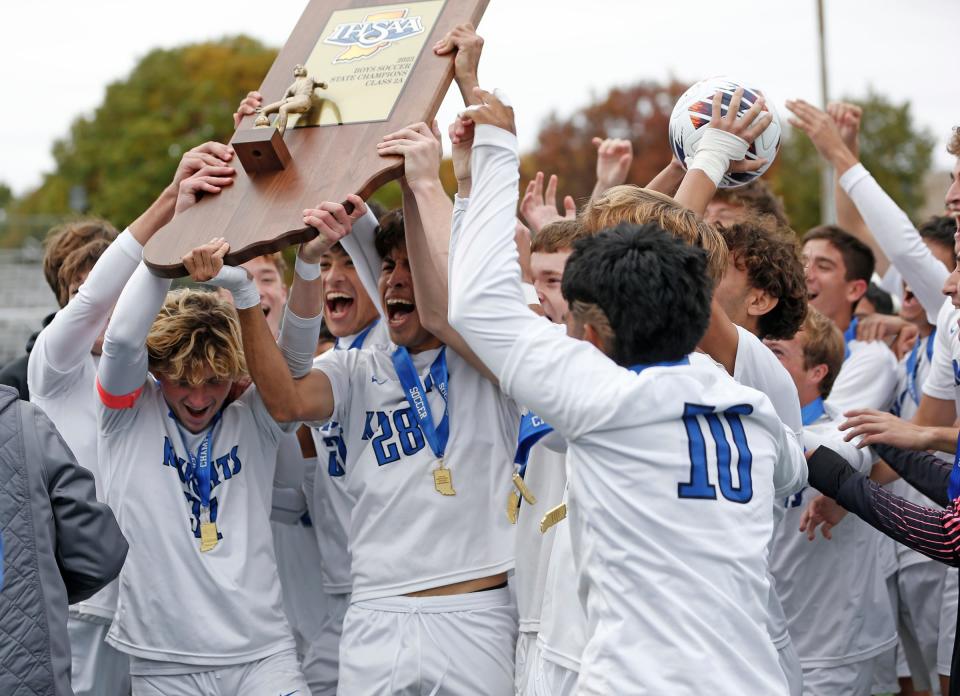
{"points": [[57, 56]]}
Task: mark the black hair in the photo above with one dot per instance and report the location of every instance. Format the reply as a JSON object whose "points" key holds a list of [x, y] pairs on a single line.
{"points": [[879, 298], [940, 229], [653, 288], [390, 234]]}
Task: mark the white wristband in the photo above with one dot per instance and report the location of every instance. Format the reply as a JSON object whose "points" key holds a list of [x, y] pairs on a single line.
{"points": [[715, 151], [530, 296], [241, 286], [307, 271]]}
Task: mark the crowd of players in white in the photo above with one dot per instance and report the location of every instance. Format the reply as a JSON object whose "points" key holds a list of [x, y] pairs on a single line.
{"points": [[642, 533]]}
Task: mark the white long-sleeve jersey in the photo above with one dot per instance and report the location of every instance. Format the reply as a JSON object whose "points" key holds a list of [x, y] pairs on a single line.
{"points": [[645, 512], [62, 373]]}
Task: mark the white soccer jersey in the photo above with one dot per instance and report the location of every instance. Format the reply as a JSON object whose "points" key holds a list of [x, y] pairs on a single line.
{"points": [[546, 477], [329, 502], [868, 378], [944, 376], [757, 367], [673, 473], [67, 393], [833, 591], [630, 472], [178, 604], [563, 622], [295, 545], [912, 374], [404, 535]]}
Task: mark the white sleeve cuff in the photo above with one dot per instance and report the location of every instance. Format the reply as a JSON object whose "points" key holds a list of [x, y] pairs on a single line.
{"points": [[852, 176], [485, 134], [460, 204], [129, 245]]}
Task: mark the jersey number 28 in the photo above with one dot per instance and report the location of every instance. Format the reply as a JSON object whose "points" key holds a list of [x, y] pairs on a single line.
{"points": [[699, 485]]}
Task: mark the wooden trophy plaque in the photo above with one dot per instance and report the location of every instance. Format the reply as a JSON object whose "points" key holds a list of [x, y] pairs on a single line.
{"points": [[375, 72]]}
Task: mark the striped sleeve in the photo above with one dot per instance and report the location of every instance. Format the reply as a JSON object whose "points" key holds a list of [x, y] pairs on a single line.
{"points": [[934, 533]]}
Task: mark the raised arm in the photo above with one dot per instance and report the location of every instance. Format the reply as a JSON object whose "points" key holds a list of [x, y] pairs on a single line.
{"points": [[310, 397], [722, 147], [847, 117], [76, 327], [614, 157], [427, 219], [894, 233]]}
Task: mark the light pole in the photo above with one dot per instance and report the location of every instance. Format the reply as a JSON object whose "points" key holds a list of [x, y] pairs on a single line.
{"points": [[828, 208]]}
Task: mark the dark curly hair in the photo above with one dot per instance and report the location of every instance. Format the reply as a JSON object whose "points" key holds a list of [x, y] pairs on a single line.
{"points": [[770, 256], [646, 292]]}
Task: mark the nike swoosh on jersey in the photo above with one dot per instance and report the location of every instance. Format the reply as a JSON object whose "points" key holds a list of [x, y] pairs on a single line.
{"points": [[373, 378]]}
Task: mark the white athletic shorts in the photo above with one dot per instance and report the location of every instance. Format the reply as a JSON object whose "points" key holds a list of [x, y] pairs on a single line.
{"points": [[855, 679], [322, 658], [948, 623], [526, 665], [459, 645], [790, 664], [96, 667], [277, 674], [551, 679], [918, 622]]}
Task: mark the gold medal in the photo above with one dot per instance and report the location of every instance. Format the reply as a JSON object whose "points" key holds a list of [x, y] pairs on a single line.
{"points": [[523, 490], [513, 507], [553, 517], [208, 536], [443, 480]]}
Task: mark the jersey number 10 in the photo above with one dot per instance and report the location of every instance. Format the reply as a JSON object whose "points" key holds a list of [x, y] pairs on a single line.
{"points": [[699, 485]]}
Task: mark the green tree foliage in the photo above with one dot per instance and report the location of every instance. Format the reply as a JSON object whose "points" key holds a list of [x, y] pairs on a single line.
{"points": [[127, 151], [892, 147]]}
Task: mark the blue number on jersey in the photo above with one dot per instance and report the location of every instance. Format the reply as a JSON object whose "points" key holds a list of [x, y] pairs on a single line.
{"points": [[399, 433], [699, 485], [336, 449]]}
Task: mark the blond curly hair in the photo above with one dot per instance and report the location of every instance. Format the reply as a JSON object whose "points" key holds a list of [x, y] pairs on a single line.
{"points": [[195, 331], [638, 205]]}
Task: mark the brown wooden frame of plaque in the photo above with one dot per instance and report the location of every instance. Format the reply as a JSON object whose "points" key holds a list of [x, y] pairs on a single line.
{"points": [[263, 213]]}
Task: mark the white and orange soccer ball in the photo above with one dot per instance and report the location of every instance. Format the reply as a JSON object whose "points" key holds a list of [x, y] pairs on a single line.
{"points": [[692, 114]]}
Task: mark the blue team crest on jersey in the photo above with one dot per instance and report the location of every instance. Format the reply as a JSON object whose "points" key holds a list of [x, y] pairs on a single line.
{"points": [[224, 468], [375, 33]]}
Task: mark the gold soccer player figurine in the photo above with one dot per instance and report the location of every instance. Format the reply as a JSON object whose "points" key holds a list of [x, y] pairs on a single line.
{"points": [[299, 98]]}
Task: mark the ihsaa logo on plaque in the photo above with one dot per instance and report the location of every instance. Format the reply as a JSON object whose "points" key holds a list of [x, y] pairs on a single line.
{"points": [[376, 32]]}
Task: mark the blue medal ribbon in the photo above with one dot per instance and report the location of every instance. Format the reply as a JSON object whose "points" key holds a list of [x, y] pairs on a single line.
{"points": [[413, 389], [198, 466], [848, 336], [811, 412], [953, 485], [913, 365]]}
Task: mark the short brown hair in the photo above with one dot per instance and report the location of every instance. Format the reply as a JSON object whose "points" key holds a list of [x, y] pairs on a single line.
{"points": [[78, 262], [276, 258], [65, 238], [558, 235], [757, 198], [953, 147], [771, 258], [822, 345], [196, 330], [639, 205]]}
